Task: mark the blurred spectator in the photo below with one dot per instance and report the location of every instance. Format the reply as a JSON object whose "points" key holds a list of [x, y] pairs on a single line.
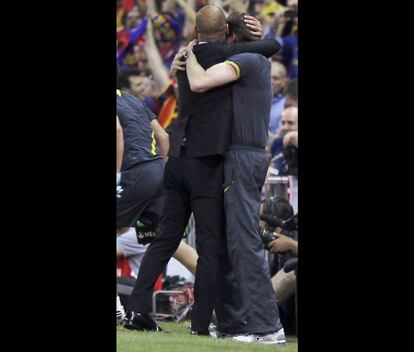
{"points": [[164, 98], [128, 36], [291, 93], [269, 8], [136, 82], [293, 4], [140, 56], [122, 8], [256, 8], [231, 6], [285, 29], [289, 122], [168, 24], [162, 102], [279, 82], [189, 8], [268, 12], [290, 53]]}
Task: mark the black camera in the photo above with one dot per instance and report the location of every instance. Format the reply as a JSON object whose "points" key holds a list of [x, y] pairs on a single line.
{"points": [[290, 154], [277, 212], [266, 236]]}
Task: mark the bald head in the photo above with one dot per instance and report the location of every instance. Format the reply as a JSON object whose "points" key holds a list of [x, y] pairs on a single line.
{"points": [[289, 121], [279, 77], [279, 68], [291, 113], [210, 23]]}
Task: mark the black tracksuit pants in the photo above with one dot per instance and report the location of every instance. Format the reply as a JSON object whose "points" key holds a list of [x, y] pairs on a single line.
{"points": [[248, 302]]}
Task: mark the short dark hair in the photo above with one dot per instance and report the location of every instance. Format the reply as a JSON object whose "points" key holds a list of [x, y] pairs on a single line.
{"points": [[239, 28], [278, 207], [124, 73]]}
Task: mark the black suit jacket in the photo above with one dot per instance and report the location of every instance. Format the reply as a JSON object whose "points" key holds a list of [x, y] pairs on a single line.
{"points": [[205, 119]]}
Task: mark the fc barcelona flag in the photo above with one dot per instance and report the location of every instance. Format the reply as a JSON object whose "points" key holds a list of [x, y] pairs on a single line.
{"points": [[169, 108], [168, 112]]}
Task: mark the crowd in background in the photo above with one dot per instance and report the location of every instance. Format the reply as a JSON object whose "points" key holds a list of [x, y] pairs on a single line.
{"points": [[151, 32]]}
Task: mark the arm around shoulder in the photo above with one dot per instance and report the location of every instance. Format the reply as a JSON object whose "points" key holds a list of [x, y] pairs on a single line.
{"points": [[265, 47]]}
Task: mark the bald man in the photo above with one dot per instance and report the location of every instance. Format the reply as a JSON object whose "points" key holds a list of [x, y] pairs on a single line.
{"points": [[288, 123], [193, 179]]}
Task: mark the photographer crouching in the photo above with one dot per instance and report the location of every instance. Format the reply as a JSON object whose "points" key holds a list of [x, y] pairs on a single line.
{"points": [[279, 233]]}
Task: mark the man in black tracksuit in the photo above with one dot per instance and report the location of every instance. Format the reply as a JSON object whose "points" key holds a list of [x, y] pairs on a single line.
{"points": [[245, 170], [194, 178]]}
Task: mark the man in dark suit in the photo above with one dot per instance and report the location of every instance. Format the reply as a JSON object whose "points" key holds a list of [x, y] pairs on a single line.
{"points": [[194, 177]]}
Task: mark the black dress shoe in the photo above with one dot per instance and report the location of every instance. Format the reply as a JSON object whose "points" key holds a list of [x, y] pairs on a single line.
{"points": [[138, 321]]}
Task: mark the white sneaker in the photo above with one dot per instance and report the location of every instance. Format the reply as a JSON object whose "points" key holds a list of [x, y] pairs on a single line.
{"points": [[214, 333], [120, 315], [276, 338]]}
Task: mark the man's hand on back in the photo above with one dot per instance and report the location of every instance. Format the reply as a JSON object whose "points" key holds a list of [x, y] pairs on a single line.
{"points": [[178, 63]]}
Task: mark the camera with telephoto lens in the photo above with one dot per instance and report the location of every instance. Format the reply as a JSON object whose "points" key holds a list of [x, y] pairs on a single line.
{"points": [[277, 212], [267, 236]]}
